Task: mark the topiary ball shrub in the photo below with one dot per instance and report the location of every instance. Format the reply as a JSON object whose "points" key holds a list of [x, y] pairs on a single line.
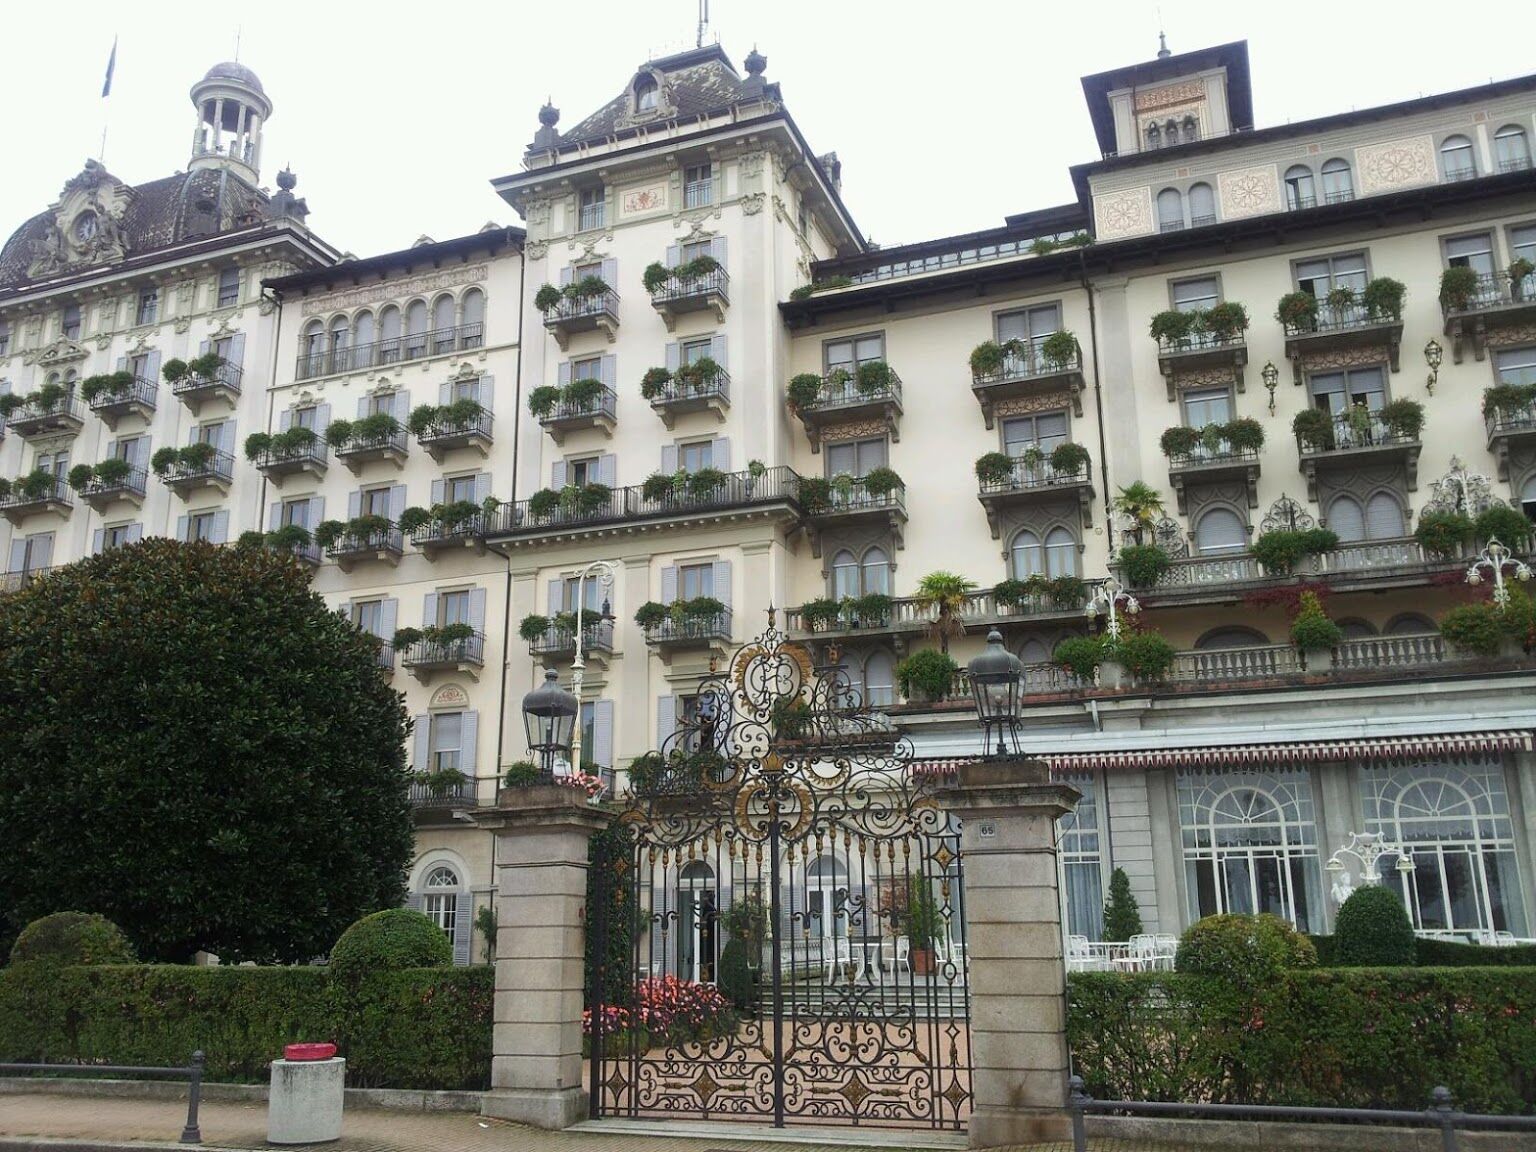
{"points": [[1243, 949], [736, 980], [73, 938], [1373, 930], [389, 940]]}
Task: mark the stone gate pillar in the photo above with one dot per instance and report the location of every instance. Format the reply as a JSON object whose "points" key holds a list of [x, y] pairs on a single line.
{"points": [[1008, 809], [542, 836]]}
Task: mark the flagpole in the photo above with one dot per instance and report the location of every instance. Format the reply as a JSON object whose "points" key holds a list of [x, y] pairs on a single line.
{"points": [[106, 92]]}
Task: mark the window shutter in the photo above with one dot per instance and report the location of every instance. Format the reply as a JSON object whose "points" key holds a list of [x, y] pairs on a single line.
{"points": [[183, 523], [316, 512], [97, 539], [482, 486], [285, 420], [227, 438], [444, 394], [429, 610], [674, 356], [485, 392], [1346, 519], [469, 743], [322, 420], [722, 578], [674, 255], [720, 454], [608, 470], [717, 249], [423, 742], [610, 272], [362, 407], [221, 527], [566, 274], [1383, 518], [204, 348], [563, 373], [275, 516], [389, 612], [602, 733], [556, 596], [354, 505], [717, 348], [400, 405], [396, 502], [463, 921], [437, 491], [477, 609], [557, 472], [122, 363], [152, 367], [42, 550], [135, 533], [237, 349], [18, 559], [669, 584], [669, 458], [1220, 531], [666, 719], [413, 901], [608, 371]]}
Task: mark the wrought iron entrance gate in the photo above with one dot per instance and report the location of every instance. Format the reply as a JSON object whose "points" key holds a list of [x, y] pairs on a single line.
{"points": [[788, 906]]}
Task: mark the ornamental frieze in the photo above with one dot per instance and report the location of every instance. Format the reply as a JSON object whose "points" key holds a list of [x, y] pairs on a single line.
{"points": [[855, 430], [395, 290], [1125, 213], [1344, 358], [1184, 92], [1396, 164], [1023, 405], [1249, 192]]}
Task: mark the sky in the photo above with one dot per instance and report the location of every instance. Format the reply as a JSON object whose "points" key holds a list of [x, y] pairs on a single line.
{"points": [[947, 117]]}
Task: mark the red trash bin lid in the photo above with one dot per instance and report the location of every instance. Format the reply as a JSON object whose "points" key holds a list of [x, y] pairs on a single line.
{"points": [[309, 1051]]}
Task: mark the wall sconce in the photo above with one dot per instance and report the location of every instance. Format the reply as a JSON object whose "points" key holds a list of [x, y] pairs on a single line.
{"points": [[1433, 354], [1271, 376]]}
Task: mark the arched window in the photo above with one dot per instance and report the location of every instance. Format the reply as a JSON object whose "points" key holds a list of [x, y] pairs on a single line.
{"points": [[1456, 159], [1202, 205], [1250, 845], [696, 921], [1170, 210], [1356, 629], [1034, 651], [1346, 519], [472, 322], [1170, 131], [645, 95], [389, 334], [1154, 135], [1060, 553], [875, 572], [1220, 530], [1411, 624], [1028, 555], [1511, 149], [312, 349], [442, 325], [338, 339], [364, 334], [440, 898], [826, 900], [1191, 129], [845, 575], [415, 329], [1338, 184], [1299, 192], [879, 680], [1230, 638], [1383, 517]]}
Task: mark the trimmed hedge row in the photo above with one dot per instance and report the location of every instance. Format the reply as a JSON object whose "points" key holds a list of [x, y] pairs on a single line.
{"points": [[1347, 1037], [416, 1028], [1443, 954]]}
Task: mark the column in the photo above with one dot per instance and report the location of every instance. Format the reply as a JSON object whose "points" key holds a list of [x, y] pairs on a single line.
{"points": [[218, 122], [1008, 810], [542, 835]]}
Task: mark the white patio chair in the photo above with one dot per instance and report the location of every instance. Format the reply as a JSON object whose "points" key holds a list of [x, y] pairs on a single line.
{"points": [[1167, 947], [903, 957], [842, 955], [1502, 939]]}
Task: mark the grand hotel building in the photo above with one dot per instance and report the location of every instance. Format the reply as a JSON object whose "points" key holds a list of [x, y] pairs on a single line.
{"points": [[1223, 785]]}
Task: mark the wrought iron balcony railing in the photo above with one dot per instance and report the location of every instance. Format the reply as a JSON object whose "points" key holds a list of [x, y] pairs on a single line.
{"points": [[396, 350], [683, 630], [431, 654], [597, 636]]}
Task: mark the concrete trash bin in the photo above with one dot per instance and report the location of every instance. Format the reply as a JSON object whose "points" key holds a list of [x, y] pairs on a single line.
{"points": [[305, 1101]]}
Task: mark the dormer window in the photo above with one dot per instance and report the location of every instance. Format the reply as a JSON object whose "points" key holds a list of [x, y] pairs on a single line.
{"points": [[645, 95]]}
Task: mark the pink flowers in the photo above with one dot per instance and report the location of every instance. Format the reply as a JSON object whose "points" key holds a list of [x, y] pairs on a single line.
{"points": [[592, 785], [667, 1006]]}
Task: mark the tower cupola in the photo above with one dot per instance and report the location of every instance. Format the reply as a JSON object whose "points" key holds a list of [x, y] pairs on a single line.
{"points": [[231, 108]]}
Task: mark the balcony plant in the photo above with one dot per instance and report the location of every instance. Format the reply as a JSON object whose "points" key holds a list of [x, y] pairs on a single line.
{"points": [[35, 485], [379, 426], [541, 401], [1244, 434], [80, 477], [756, 470], [327, 532], [1080, 655], [112, 471], [947, 594], [174, 371], [1179, 441], [288, 538], [9, 403], [1297, 311], [872, 610], [1404, 418], [1014, 595], [1341, 298], [583, 289], [806, 291], [1145, 654], [820, 614], [1140, 504], [1314, 429], [162, 461], [197, 456], [924, 923], [1507, 399], [204, 367], [703, 372], [994, 468], [1519, 271], [815, 494], [987, 358], [705, 483], [927, 674], [1068, 459], [651, 615], [1476, 629], [654, 277], [1280, 550], [1503, 523], [414, 519], [114, 384], [1443, 534], [1458, 285], [546, 297], [1314, 634], [652, 385], [1059, 350], [881, 481], [1067, 591], [1226, 321], [582, 395], [1174, 327], [1142, 564], [701, 608], [874, 377], [1383, 298], [804, 391]]}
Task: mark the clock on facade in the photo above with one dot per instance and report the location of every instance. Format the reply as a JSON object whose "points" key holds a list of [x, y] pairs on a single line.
{"points": [[86, 225]]}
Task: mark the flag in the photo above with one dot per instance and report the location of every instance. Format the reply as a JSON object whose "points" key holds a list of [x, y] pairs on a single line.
{"points": [[106, 86]]}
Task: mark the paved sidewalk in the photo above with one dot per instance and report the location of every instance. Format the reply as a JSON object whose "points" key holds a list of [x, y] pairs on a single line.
{"points": [[105, 1123]]}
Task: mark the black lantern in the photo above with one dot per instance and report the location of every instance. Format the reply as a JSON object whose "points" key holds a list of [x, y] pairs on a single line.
{"points": [[549, 714], [997, 683]]}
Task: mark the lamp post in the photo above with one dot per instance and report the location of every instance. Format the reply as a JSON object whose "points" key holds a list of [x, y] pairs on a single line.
{"points": [[1433, 355], [1368, 849], [1494, 558], [1106, 598], [602, 571], [997, 683], [1271, 376], [549, 715]]}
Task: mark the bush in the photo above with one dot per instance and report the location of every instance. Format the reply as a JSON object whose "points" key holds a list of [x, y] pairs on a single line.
{"points": [[994, 468], [1242, 949], [1448, 954], [72, 938], [1476, 628], [1383, 298], [987, 358], [1179, 440], [736, 979], [422, 1027], [1080, 655], [928, 671], [1313, 428], [1499, 521], [1297, 311], [1068, 458], [1373, 929], [1142, 564], [1145, 655], [1122, 918], [1442, 534], [1279, 551], [1312, 630], [1174, 326], [388, 941], [1403, 418], [1059, 350]]}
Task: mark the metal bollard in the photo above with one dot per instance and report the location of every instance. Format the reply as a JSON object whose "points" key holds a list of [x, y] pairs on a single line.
{"points": [[192, 1134], [1443, 1114], [1076, 1098]]}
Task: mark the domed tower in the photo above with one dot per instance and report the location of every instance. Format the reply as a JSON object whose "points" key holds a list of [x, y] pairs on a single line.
{"points": [[231, 108]]}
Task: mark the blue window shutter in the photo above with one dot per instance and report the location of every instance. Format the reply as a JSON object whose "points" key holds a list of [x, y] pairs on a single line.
{"points": [[477, 609], [674, 255], [608, 371], [221, 527], [362, 407], [557, 473], [401, 405], [422, 753], [437, 491], [396, 501], [19, 552], [482, 486], [556, 596], [469, 742], [444, 394], [316, 512], [669, 458], [666, 719], [322, 420], [135, 533], [285, 420], [237, 349], [674, 356], [98, 538], [602, 733], [717, 249], [122, 363], [354, 505], [566, 275], [610, 272], [485, 392], [669, 584], [463, 922], [722, 578], [389, 612], [720, 454], [152, 367], [608, 469], [275, 516], [205, 347], [182, 524], [717, 348], [42, 550], [429, 610], [563, 373]]}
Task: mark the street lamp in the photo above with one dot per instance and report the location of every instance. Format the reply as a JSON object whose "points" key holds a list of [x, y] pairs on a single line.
{"points": [[549, 715], [1271, 376], [1106, 598], [603, 572], [997, 683], [1494, 558], [1433, 355], [1368, 849]]}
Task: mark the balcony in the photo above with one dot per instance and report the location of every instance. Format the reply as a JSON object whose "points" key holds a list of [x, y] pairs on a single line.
{"points": [[849, 503], [448, 433], [1496, 302], [16, 581], [703, 292], [558, 642], [101, 493], [1028, 484], [577, 413], [60, 417], [1342, 328], [383, 353], [36, 495], [1509, 429], [135, 399], [676, 633], [223, 383], [188, 477], [1202, 465], [907, 617], [439, 791], [1353, 440], [1027, 372], [680, 396], [440, 536], [844, 398], [361, 450], [278, 461], [573, 314], [1200, 353], [738, 496], [429, 657], [384, 545]]}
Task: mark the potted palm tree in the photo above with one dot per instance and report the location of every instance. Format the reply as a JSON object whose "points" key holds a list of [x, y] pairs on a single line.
{"points": [[947, 593], [1141, 505], [925, 925]]}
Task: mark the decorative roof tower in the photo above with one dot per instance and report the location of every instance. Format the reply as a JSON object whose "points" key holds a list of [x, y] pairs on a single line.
{"points": [[231, 109]]}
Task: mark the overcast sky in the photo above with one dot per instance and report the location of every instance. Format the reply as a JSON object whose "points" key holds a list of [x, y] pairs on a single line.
{"points": [[947, 116]]}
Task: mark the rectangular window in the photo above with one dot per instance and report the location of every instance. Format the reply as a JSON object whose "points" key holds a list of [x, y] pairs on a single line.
{"points": [[1204, 406], [229, 288], [453, 607], [139, 366], [693, 457], [1196, 295], [695, 580], [304, 418], [223, 348], [115, 536], [69, 324], [129, 448], [447, 737], [149, 306], [1474, 252], [1029, 327], [591, 592], [55, 462], [1338, 392], [296, 512], [1044, 432], [464, 390], [1082, 880], [200, 526], [692, 251], [580, 473], [1522, 246], [698, 186], [591, 209], [368, 615], [1318, 277], [456, 488], [588, 733], [375, 501], [382, 405], [855, 458], [1515, 365], [211, 433], [692, 351], [5, 337], [849, 354], [589, 369], [36, 553]]}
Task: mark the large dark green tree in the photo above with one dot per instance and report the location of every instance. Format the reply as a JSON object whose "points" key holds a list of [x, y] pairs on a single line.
{"points": [[194, 746]]}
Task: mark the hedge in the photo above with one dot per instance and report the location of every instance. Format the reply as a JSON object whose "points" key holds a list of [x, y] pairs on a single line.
{"points": [[1358, 1037], [1444, 954], [418, 1028]]}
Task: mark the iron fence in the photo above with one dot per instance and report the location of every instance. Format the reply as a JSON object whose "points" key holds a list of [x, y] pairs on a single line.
{"points": [[192, 1074]]}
